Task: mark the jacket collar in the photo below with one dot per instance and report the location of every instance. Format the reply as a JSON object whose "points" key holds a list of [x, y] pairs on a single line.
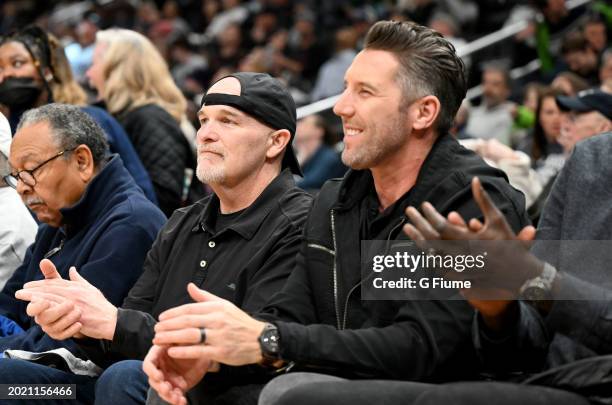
{"points": [[249, 221], [107, 183], [356, 184]]}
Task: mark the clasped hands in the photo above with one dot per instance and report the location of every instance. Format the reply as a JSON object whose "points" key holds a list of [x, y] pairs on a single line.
{"points": [[178, 359]]}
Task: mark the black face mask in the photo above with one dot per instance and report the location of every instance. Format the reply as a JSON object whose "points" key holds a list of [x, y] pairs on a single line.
{"points": [[19, 92]]}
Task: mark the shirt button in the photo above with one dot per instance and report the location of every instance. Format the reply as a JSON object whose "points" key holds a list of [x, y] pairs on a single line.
{"points": [[203, 263], [211, 244]]}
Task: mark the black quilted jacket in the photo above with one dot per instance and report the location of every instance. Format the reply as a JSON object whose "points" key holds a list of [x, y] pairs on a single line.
{"points": [[163, 150]]}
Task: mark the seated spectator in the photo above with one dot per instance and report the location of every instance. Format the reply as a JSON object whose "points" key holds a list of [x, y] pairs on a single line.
{"points": [[306, 51], [569, 83], [227, 49], [94, 218], [18, 226], [149, 106], [542, 147], [588, 114], [240, 242], [580, 57], [80, 52], [36, 71], [596, 34], [233, 13], [562, 317], [493, 117], [605, 71], [446, 25], [330, 78], [319, 161]]}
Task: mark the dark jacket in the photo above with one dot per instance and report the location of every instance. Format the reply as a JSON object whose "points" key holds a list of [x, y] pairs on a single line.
{"points": [[574, 235], [163, 150], [245, 262], [119, 143], [323, 323], [323, 165], [106, 236]]}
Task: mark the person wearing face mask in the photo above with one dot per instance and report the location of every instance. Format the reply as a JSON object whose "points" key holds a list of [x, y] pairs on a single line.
{"points": [[34, 71]]}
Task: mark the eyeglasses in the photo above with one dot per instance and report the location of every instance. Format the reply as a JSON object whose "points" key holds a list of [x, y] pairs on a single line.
{"points": [[27, 176]]}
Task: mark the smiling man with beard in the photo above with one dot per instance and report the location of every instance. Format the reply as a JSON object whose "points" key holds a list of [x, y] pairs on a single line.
{"points": [[240, 243]]}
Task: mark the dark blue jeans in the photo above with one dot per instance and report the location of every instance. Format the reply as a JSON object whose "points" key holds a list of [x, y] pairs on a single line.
{"points": [[24, 372], [122, 383]]}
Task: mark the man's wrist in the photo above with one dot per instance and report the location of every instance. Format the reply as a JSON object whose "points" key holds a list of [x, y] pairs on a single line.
{"points": [[269, 346], [111, 323]]}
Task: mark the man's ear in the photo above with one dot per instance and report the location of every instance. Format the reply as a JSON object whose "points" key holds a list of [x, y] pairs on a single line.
{"points": [[278, 141], [85, 163], [605, 126], [425, 112]]}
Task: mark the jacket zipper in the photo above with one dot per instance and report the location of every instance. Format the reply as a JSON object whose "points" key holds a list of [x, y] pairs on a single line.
{"points": [[323, 248], [55, 249], [346, 302], [333, 229]]}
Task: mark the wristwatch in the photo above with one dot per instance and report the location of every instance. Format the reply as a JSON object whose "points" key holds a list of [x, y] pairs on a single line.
{"points": [[539, 288], [269, 341]]}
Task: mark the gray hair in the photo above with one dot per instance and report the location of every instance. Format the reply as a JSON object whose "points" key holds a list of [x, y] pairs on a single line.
{"points": [[428, 63], [70, 126]]}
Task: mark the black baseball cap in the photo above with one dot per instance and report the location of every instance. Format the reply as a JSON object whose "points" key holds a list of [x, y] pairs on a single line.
{"points": [[266, 99], [586, 101]]}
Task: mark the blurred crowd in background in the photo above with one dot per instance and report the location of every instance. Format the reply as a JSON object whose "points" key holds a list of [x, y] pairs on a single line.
{"points": [[310, 43]]}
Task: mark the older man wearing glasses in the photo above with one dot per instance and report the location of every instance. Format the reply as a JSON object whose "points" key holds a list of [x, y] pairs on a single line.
{"points": [[94, 217]]}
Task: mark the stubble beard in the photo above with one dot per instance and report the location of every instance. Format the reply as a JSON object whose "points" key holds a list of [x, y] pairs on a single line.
{"points": [[385, 140]]}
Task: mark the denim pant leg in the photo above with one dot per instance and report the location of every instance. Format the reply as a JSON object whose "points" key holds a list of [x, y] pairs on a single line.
{"points": [[14, 371], [122, 383]]}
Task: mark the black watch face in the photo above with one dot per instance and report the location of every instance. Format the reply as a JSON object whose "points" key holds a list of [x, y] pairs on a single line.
{"points": [[270, 341]]}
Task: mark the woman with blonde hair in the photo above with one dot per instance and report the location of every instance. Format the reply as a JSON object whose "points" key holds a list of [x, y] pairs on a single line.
{"points": [[34, 71], [135, 85]]}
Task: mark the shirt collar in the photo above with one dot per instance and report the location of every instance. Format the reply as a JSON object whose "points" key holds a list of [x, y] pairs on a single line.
{"points": [[247, 223], [358, 183]]}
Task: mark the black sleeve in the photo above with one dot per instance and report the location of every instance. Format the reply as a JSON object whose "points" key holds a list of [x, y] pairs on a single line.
{"points": [[420, 338], [521, 348], [135, 326], [587, 318], [294, 301]]}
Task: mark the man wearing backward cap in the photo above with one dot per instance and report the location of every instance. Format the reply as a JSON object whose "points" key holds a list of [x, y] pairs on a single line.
{"points": [[240, 243]]}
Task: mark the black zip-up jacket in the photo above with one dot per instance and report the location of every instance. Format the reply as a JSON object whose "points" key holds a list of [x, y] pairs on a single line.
{"points": [[244, 262], [324, 325]]}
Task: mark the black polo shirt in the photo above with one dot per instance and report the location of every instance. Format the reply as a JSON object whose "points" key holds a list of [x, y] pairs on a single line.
{"points": [[244, 259]]}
